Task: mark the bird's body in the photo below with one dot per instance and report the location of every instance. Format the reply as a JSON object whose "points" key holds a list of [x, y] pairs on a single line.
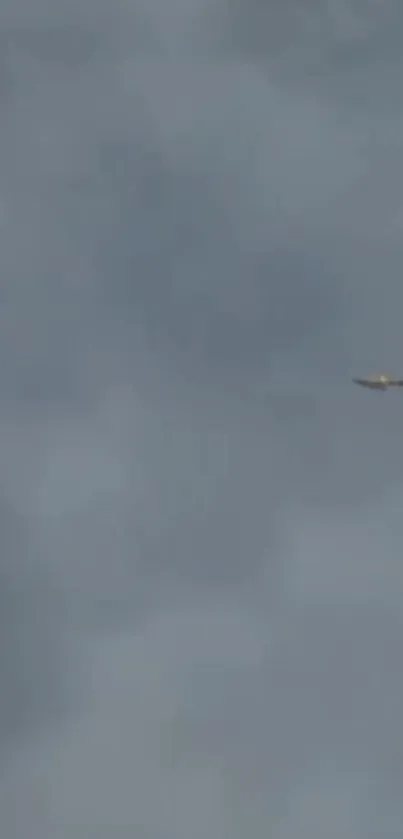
{"points": [[378, 381]]}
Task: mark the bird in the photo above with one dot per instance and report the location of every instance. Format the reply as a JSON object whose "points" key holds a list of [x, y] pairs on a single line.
{"points": [[378, 381]]}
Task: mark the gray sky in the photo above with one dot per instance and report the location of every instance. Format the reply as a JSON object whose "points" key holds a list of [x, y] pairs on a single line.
{"points": [[201, 242]]}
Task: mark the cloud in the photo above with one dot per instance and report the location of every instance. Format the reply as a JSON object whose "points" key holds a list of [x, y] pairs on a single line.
{"points": [[200, 238]]}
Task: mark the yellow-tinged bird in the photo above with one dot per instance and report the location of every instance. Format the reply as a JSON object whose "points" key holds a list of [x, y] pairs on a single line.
{"points": [[378, 381]]}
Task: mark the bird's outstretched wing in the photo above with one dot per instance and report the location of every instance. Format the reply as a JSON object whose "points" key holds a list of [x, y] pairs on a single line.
{"points": [[374, 385]]}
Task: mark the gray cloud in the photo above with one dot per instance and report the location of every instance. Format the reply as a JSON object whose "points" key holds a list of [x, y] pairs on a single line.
{"points": [[201, 243]]}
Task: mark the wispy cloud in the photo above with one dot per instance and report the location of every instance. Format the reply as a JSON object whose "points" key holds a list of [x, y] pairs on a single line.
{"points": [[200, 227]]}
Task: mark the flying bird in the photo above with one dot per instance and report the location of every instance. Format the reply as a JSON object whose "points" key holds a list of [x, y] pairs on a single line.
{"points": [[379, 382]]}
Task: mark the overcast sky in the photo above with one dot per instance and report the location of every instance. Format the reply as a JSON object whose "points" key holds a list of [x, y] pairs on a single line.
{"points": [[201, 229]]}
